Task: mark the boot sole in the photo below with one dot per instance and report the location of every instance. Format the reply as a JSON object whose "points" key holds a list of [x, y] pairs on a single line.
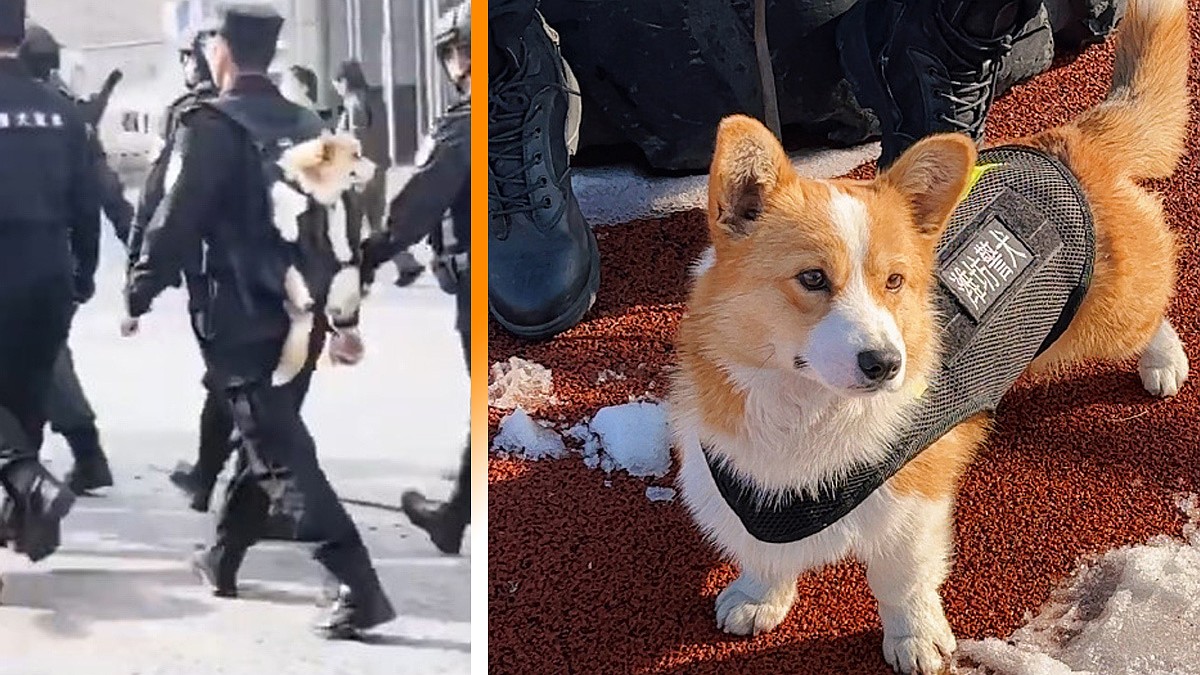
{"points": [[202, 573], [574, 314], [45, 538]]}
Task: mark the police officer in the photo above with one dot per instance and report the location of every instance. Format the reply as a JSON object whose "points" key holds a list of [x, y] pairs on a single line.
{"points": [[219, 200], [441, 186], [67, 407], [49, 233], [42, 55], [216, 420]]}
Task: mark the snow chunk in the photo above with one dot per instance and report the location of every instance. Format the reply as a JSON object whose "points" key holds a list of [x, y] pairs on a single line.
{"points": [[635, 436], [1132, 611], [518, 383], [660, 494], [609, 376], [1002, 657], [520, 435]]}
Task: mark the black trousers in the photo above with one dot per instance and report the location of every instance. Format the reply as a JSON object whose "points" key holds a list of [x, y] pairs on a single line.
{"points": [[269, 422], [67, 406], [460, 498], [34, 323], [216, 444]]}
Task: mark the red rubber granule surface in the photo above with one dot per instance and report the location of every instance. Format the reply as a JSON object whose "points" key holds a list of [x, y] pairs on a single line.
{"points": [[590, 579]]}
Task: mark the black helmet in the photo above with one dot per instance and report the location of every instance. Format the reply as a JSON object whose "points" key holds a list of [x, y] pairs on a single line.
{"points": [[453, 32], [453, 27], [39, 51]]}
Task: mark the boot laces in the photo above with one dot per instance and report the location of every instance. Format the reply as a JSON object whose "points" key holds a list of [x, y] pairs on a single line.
{"points": [[508, 131], [970, 92]]}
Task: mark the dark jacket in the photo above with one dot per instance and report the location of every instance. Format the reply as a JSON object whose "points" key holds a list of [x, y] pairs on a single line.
{"points": [[49, 208], [441, 184], [152, 191], [219, 202], [365, 116]]}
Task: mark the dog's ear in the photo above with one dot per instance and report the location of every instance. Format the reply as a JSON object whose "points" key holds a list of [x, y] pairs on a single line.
{"points": [[328, 150], [748, 164], [932, 176]]}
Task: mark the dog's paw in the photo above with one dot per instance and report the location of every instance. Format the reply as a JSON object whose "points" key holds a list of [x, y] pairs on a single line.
{"points": [[741, 612], [920, 654], [1164, 365]]}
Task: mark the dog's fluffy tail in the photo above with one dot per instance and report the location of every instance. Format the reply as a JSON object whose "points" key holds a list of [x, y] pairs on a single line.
{"points": [[1142, 125]]}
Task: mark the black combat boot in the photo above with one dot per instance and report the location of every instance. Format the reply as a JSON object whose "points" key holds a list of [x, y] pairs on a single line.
{"points": [[217, 567], [187, 478], [445, 522], [408, 268], [543, 263], [32, 502], [91, 469], [928, 66], [355, 611]]}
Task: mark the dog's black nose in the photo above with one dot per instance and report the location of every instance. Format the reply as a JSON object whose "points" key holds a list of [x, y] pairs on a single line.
{"points": [[879, 365]]}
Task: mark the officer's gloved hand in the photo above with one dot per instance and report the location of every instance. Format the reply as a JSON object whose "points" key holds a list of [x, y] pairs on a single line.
{"points": [[85, 288]]}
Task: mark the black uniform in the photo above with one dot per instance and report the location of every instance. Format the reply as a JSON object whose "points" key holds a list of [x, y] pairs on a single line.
{"points": [[219, 202], [216, 420], [49, 236], [436, 203], [49, 231]]}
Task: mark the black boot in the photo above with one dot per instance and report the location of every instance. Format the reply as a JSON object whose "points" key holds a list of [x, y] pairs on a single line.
{"points": [[33, 507], [444, 523], [927, 66], [408, 268], [217, 568], [355, 611], [91, 469], [32, 502], [543, 263], [186, 478]]}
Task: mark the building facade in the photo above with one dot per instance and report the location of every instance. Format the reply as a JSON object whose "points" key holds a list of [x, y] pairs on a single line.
{"points": [[391, 38]]}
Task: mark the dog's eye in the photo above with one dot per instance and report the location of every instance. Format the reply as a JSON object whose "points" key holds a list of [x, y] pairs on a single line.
{"points": [[813, 280], [894, 282]]}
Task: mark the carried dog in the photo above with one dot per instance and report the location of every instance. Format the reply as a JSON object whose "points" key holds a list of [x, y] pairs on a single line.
{"points": [[319, 175], [846, 341]]}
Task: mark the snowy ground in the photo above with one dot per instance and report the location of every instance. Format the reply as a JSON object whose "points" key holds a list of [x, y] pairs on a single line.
{"points": [[117, 599], [1130, 611]]}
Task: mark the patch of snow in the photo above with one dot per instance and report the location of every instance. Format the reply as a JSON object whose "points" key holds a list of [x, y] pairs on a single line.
{"points": [[518, 383], [591, 442], [632, 436], [660, 494], [1131, 611], [607, 375], [607, 464], [635, 435], [521, 435]]}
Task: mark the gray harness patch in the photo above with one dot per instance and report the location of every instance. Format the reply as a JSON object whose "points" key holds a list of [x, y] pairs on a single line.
{"points": [[1013, 266], [985, 267]]}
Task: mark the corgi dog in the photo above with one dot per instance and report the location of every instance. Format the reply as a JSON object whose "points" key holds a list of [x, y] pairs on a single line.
{"points": [[804, 276], [318, 173]]}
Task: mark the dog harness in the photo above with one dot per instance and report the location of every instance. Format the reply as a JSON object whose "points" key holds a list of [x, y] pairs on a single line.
{"points": [[1014, 264]]}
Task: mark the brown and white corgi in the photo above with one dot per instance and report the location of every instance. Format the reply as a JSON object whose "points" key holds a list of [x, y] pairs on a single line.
{"points": [[323, 171], [805, 275]]}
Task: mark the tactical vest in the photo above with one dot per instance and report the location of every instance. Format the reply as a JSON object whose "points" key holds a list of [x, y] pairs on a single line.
{"points": [[1014, 264]]}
